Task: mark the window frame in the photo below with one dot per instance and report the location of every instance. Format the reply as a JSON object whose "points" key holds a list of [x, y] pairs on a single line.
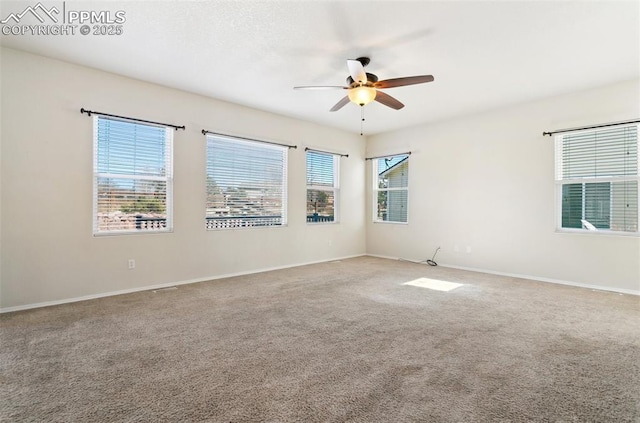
{"points": [[167, 178], [335, 189], [376, 189], [584, 181], [243, 224]]}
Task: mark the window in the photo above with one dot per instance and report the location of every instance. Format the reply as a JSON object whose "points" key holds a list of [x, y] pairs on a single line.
{"points": [[246, 183], [390, 192], [133, 179], [322, 186], [597, 177]]}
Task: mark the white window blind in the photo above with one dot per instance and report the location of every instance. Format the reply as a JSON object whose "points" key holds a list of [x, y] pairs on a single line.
{"points": [[597, 174], [246, 183], [132, 177], [391, 189], [322, 186]]}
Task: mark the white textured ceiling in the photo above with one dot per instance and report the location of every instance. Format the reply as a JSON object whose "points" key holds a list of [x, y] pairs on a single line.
{"points": [[483, 54]]}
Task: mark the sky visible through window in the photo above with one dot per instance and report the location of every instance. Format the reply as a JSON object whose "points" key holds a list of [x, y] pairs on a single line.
{"points": [[127, 148], [319, 169], [238, 164], [385, 163]]}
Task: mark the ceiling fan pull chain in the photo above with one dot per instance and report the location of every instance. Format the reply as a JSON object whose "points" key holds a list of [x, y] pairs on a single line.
{"points": [[361, 119]]}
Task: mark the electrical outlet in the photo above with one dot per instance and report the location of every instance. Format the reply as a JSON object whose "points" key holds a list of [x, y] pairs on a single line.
{"points": [[132, 264]]}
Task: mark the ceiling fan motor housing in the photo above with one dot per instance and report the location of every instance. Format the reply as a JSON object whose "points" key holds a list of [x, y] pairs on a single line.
{"points": [[371, 78]]}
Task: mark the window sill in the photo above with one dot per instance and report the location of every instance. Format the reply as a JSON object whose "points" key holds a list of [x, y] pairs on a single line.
{"points": [[386, 222], [127, 233], [244, 228], [600, 232]]}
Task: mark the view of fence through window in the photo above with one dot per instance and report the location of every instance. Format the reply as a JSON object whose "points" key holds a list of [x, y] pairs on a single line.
{"points": [[132, 176], [246, 183], [322, 186]]}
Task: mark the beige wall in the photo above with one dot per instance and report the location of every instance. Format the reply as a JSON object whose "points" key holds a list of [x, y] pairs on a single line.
{"points": [[48, 251], [485, 184]]}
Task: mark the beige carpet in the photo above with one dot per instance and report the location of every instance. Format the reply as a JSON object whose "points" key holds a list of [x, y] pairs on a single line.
{"points": [[333, 342]]}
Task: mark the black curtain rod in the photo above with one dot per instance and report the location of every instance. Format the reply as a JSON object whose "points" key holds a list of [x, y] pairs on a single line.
{"points": [[91, 112], [327, 152], [205, 132], [408, 153], [604, 125]]}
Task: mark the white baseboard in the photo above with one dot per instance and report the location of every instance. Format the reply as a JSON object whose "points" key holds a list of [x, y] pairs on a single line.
{"points": [[164, 285], [521, 276]]}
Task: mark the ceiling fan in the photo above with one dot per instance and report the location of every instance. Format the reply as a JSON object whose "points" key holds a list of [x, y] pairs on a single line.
{"points": [[364, 87]]}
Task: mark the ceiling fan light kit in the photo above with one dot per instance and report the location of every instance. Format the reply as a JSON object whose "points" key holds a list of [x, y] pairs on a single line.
{"points": [[362, 95]]}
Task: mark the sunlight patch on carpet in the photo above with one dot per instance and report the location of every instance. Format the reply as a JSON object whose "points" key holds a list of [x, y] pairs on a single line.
{"points": [[434, 284]]}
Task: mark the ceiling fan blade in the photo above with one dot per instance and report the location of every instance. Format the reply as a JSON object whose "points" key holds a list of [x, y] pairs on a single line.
{"points": [[320, 87], [356, 70], [387, 100], [340, 104], [400, 82]]}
